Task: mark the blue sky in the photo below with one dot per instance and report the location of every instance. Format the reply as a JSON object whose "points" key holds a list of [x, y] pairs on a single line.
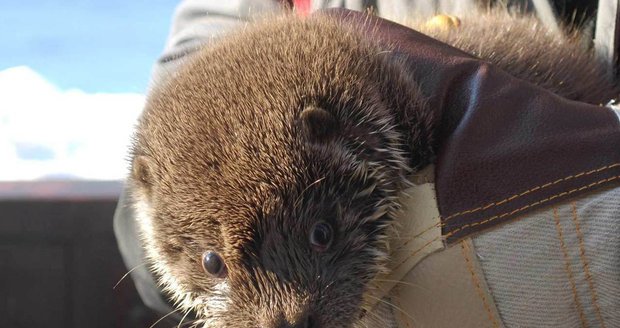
{"points": [[92, 45]]}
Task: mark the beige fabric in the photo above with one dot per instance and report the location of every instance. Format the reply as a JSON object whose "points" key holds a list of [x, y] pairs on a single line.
{"points": [[447, 289], [428, 285], [417, 232]]}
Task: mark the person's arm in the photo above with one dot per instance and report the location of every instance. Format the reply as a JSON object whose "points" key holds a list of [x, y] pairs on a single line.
{"points": [[198, 22]]}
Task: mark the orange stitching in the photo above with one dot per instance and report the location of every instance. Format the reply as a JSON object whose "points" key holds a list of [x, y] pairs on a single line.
{"points": [[586, 266], [511, 198], [562, 194], [532, 190], [448, 235], [476, 282], [567, 265]]}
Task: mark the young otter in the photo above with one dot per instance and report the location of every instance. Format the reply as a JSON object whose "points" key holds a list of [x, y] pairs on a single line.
{"points": [[265, 173]]}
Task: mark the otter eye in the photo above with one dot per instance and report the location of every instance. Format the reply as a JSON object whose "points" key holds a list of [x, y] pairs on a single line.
{"points": [[213, 264], [321, 236]]}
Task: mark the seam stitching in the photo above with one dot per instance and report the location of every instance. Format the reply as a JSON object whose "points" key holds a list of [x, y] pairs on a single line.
{"points": [[466, 226], [474, 278], [567, 267], [443, 220], [529, 191], [586, 265]]}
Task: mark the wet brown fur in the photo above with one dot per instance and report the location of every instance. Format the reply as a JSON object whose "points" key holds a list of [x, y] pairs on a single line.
{"points": [[224, 160]]}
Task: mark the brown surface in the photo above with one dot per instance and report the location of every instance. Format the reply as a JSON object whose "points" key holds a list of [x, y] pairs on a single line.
{"points": [[59, 263]]}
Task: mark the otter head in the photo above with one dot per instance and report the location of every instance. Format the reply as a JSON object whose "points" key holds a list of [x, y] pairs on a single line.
{"points": [[265, 174]]}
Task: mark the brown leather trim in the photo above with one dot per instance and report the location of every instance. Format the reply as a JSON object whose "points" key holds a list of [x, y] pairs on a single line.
{"points": [[506, 146], [517, 148]]}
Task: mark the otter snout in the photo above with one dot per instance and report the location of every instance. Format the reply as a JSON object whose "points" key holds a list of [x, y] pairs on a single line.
{"points": [[303, 320]]}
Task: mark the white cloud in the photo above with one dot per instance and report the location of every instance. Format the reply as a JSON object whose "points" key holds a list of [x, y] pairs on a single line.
{"points": [[47, 132]]}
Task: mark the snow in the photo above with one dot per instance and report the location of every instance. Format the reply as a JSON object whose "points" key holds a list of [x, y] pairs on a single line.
{"points": [[48, 133]]}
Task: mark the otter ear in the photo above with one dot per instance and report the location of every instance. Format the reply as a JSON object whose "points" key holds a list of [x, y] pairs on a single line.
{"points": [[142, 171], [318, 124]]}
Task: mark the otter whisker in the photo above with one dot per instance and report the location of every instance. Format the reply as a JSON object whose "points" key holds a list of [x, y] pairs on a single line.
{"points": [[195, 323], [404, 283], [126, 274], [329, 285], [183, 319], [380, 322], [361, 324], [306, 189], [164, 317], [395, 307]]}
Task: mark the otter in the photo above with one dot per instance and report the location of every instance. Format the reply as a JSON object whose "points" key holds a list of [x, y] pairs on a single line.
{"points": [[266, 172]]}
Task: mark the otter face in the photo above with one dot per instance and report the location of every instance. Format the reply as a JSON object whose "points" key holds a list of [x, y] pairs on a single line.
{"points": [[297, 253], [265, 173]]}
